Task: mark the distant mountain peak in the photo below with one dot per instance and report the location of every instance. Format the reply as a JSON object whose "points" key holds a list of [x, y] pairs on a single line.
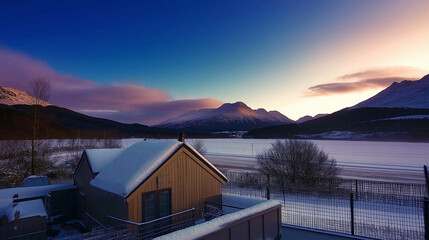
{"points": [[228, 117], [12, 96], [404, 94]]}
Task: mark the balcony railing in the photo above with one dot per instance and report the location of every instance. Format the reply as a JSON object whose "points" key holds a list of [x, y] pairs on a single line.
{"points": [[156, 227]]}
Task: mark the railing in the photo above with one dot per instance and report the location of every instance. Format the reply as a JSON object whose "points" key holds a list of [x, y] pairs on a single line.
{"points": [[95, 221], [157, 227]]}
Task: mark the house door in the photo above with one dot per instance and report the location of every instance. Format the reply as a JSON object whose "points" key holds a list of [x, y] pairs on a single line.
{"points": [[156, 204]]}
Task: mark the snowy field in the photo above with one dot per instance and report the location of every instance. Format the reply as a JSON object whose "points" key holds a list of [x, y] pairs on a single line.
{"points": [[389, 161], [353, 152]]}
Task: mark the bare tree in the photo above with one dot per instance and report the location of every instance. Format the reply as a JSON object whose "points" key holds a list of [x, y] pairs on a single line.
{"points": [[40, 89], [298, 162], [13, 162], [199, 145]]}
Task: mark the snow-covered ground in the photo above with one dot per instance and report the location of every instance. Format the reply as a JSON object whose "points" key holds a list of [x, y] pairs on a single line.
{"points": [[372, 218]]}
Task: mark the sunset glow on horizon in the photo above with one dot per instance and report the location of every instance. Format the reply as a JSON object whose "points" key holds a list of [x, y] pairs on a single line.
{"points": [[147, 62]]}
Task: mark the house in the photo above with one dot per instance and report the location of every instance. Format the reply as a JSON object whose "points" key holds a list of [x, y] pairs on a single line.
{"points": [[146, 181]]}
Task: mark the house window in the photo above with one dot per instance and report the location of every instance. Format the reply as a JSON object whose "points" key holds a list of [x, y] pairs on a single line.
{"points": [[156, 204]]}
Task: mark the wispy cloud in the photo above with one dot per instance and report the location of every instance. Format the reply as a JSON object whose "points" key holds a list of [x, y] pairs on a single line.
{"points": [[364, 80], [125, 103]]}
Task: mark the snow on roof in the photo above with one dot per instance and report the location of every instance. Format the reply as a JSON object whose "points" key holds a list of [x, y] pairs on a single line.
{"points": [[134, 165], [6, 195], [207, 161], [201, 230], [25, 209], [100, 158]]}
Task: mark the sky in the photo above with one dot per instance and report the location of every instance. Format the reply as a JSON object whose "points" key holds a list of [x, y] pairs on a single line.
{"points": [[148, 61]]}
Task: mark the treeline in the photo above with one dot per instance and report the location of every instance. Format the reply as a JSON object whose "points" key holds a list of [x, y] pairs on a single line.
{"points": [[56, 159]]}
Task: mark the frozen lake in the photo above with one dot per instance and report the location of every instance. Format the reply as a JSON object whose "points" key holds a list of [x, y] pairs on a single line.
{"points": [[356, 157], [357, 152]]}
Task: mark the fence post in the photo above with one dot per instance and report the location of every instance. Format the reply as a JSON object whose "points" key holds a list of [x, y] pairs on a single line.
{"points": [[352, 215], [427, 179], [267, 194], [426, 216], [356, 188], [193, 217]]}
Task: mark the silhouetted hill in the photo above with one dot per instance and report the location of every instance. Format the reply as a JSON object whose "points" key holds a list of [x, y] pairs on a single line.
{"points": [[55, 122], [361, 123]]}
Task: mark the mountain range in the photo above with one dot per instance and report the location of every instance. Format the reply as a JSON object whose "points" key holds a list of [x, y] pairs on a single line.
{"points": [[399, 112], [406, 94], [228, 117]]}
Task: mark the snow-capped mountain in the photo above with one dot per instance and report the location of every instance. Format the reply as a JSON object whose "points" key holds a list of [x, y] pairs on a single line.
{"points": [[12, 96], [406, 94], [228, 117]]}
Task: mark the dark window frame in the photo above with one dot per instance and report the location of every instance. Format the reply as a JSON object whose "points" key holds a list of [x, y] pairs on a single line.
{"points": [[157, 207]]}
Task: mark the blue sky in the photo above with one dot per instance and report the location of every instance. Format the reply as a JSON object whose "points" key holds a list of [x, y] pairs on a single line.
{"points": [[265, 53]]}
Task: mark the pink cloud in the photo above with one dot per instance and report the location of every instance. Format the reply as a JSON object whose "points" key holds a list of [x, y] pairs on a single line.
{"points": [[370, 79], [124, 103], [383, 73]]}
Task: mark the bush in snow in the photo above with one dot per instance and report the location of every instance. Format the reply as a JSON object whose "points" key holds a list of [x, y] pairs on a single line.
{"points": [[199, 145], [298, 163]]}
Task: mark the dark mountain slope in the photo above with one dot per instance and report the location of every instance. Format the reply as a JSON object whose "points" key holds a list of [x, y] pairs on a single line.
{"points": [[55, 122], [362, 120]]}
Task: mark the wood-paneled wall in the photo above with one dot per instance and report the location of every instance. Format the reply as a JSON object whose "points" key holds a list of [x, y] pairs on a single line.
{"points": [[83, 175], [190, 180]]}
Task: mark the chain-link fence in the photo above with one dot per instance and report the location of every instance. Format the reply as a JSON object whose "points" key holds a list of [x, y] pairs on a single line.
{"points": [[385, 210]]}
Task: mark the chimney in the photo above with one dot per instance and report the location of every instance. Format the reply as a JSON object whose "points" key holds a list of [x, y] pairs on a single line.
{"points": [[181, 137]]}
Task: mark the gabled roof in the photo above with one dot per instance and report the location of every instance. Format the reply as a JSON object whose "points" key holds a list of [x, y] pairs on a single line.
{"points": [[134, 165], [137, 163], [209, 164], [100, 158]]}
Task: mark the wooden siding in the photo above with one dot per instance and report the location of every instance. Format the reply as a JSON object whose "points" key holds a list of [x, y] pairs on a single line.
{"points": [[190, 180], [101, 203], [83, 175]]}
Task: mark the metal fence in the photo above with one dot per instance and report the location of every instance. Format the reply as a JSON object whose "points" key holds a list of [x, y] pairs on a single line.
{"points": [[385, 210], [156, 227]]}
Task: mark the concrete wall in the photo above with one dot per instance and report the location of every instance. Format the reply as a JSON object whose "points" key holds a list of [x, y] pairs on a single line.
{"points": [[265, 226], [290, 232]]}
